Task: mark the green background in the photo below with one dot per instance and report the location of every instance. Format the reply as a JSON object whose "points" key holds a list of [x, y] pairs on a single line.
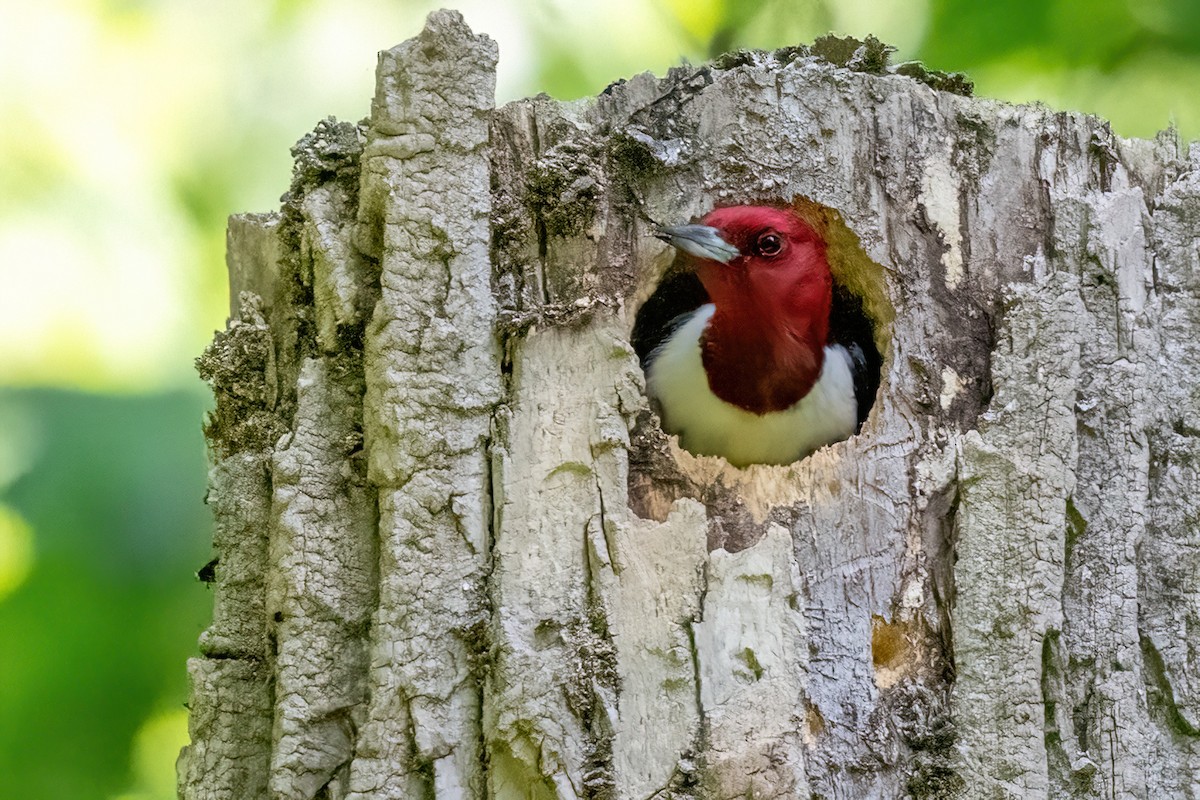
{"points": [[134, 127]]}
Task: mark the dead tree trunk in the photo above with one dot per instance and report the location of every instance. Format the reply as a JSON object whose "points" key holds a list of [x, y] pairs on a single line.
{"points": [[459, 559]]}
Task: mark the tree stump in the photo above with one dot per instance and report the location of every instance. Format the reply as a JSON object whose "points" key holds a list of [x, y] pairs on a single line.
{"points": [[458, 557]]}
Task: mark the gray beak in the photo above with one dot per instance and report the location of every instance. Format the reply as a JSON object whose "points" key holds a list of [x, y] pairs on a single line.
{"points": [[702, 241]]}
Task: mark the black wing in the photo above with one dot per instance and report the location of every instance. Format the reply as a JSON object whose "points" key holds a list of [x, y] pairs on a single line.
{"points": [[678, 294], [850, 327]]}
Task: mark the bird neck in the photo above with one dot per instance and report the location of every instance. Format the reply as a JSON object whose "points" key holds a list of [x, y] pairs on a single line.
{"points": [[765, 356]]}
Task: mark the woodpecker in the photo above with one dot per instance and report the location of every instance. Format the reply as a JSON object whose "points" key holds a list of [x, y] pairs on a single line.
{"points": [[751, 352]]}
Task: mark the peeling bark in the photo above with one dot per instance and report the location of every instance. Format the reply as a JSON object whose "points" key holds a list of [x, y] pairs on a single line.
{"points": [[458, 558]]}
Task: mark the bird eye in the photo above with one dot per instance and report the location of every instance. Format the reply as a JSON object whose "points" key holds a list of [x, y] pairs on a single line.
{"points": [[769, 244]]}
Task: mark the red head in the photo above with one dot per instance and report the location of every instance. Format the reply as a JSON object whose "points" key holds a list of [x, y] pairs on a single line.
{"points": [[765, 271]]}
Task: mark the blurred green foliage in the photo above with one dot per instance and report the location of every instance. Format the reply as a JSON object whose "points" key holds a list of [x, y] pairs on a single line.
{"points": [[133, 127], [92, 642]]}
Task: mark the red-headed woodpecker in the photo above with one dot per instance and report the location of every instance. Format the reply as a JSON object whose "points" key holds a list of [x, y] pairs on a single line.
{"points": [[749, 370]]}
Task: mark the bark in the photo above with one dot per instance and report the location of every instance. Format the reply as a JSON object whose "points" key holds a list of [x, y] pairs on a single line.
{"points": [[457, 556]]}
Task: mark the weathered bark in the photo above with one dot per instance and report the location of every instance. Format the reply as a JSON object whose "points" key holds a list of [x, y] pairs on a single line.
{"points": [[459, 558]]}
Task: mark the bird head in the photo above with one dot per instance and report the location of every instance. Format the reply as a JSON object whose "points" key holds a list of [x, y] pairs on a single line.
{"points": [[757, 260]]}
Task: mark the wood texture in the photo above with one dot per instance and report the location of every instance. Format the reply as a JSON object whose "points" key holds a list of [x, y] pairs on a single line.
{"points": [[459, 559]]}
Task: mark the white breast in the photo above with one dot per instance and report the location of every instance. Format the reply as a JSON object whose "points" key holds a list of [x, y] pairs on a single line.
{"points": [[707, 425]]}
